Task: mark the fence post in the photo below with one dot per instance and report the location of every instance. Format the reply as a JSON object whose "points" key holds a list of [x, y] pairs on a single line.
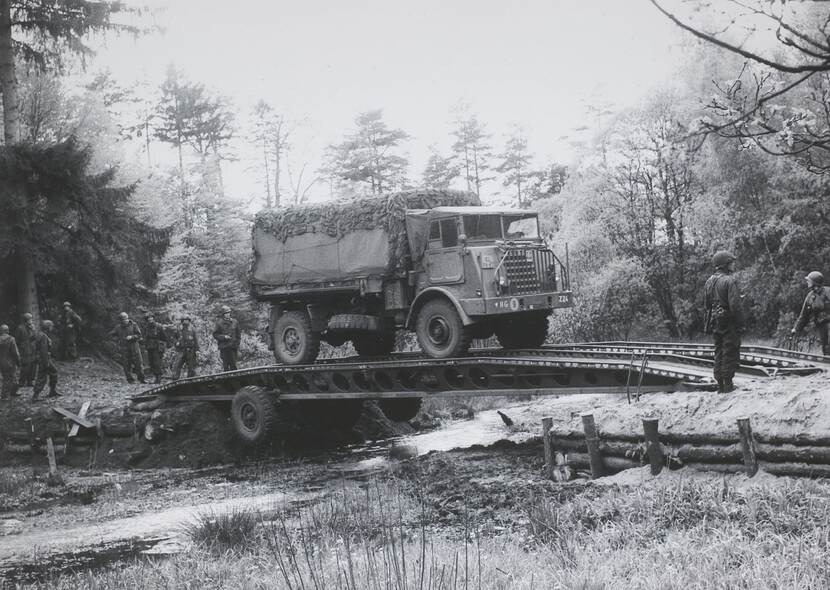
{"points": [[653, 448], [592, 443], [546, 426], [748, 446]]}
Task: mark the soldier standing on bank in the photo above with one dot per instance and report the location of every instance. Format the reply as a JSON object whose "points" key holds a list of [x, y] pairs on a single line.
{"points": [[724, 319], [9, 363], [816, 308], [155, 341], [129, 340], [25, 337], [227, 335], [70, 328], [43, 358], [186, 347]]}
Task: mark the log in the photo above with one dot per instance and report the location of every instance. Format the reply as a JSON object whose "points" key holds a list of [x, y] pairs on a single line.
{"points": [[546, 424], [610, 464], [676, 438], [592, 443], [748, 446], [653, 449], [615, 448]]}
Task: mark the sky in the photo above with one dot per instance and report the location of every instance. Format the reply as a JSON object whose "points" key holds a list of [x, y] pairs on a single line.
{"points": [[532, 63]]}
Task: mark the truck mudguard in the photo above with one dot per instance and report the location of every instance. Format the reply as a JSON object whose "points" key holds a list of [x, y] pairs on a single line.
{"points": [[431, 293]]}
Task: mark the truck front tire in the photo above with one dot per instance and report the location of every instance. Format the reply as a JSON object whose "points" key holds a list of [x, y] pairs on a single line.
{"points": [[295, 343], [441, 333], [253, 415]]}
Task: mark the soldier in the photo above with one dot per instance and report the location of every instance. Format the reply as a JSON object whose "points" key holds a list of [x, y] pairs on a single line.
{"points": [[227, 335], [43, 358], [186, 347], [129, 340], [9, 362], [25, 337], [155, 340], [817, 308], [724, 319], [70, 327]]}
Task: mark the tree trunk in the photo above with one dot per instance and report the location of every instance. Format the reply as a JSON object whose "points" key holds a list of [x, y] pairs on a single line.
{"points": [[27, 287], [8, 79], [268, 202], [277, 154]]}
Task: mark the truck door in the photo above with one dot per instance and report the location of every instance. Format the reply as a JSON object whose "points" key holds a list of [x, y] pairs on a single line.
{"points": [[444, 263]]}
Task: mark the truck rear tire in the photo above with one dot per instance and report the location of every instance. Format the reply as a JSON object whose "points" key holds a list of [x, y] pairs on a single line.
{"points": [[374, 343], [295, 343], [400, 410], [441, 333], [522, 333], [253, 415]]}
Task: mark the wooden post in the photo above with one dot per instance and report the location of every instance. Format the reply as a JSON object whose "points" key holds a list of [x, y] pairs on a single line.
{"points": [[592, 443], [546, 426], [748, 446], [32, 442], [653, 448], [50, 452]]}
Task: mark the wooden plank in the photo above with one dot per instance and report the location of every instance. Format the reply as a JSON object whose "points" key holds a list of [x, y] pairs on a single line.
{"points": [[748, 446], [546, 425], [50, 452], [653, 448], [82, 414], [74, 417], [592, 442]]}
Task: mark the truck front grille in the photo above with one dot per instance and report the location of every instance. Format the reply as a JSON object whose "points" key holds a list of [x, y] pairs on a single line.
{"points": [[530, 271]]}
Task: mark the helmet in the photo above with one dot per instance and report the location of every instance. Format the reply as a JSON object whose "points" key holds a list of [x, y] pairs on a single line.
{"points": [[184, 318], [46, 324], [815, 278], [226, 309], [123, 315], [67, 304], [4, 329], [722, 258], [27, 316]]}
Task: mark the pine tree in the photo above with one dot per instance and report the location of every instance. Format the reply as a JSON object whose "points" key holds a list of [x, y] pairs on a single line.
{"points": [[439, 171], [515, 165]]}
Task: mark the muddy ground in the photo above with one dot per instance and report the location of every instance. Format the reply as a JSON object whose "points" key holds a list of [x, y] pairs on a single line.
{"points": [[128, 494]]}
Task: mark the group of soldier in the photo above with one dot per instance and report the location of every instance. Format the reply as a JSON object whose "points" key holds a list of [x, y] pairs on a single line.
{"points": [[725, 319], [26, 358]]}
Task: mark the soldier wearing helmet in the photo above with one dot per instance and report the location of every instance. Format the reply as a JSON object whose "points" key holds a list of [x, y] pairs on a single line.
{"points": [[816, 308], [227, 335], [724, 319], [70, 328], [43, 357], [187, 345], [25, 337], [128, 336], [9, 362]]}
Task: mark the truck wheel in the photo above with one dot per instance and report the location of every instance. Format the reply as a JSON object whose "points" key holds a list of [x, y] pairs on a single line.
{"points": [[440, 331], [374, 343], [295, 343], [253, 415], [525, 333], [400, 410]]}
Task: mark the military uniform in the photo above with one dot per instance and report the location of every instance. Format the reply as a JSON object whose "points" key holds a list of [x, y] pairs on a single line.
{"points": [[816, 308], [70, 327], [155, 341], [227, 335], [129, 340], [25, 338], [186, 347], [725, 321], [9, 363], [45, 366]]}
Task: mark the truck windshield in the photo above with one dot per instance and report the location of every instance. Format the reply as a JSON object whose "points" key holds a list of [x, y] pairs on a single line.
{"points": [[482, 227], [521, 227]]}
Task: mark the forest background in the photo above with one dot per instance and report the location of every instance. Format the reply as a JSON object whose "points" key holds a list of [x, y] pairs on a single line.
{"points": [[728, 152]]}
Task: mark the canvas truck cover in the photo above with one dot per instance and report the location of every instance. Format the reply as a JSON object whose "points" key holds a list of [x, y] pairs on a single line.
{"points": [[340, 240]]}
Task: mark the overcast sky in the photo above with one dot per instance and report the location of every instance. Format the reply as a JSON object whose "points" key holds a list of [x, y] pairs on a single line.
{"points": [[534, 63]]}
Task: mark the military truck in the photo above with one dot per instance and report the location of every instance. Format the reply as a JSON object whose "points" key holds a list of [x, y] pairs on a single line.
{"points": [[433, 262]]}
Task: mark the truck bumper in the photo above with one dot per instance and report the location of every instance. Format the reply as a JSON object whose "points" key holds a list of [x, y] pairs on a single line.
{"points": [[517, 303]]}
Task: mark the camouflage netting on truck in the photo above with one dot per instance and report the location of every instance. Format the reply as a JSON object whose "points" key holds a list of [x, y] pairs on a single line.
{"points": [[338, 218]]}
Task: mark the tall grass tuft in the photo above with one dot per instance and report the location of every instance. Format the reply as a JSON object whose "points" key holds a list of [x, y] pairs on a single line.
{"points": [[234, 531]]}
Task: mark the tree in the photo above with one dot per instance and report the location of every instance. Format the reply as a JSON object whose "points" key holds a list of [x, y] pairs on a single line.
{"points": [[546, 182], [780, 100], [271, 134], [38, 32], [515, 164], [368, 156], [439, 171], [471, 149]]}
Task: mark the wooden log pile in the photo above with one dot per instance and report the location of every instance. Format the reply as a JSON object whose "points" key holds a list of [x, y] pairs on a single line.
{"points": [[569, 452]]}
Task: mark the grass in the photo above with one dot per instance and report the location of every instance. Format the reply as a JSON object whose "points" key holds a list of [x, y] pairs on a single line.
{"points": [[689, 535]]}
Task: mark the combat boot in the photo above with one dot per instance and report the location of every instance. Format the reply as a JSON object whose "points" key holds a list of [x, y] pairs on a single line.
{"points": [[720, 384], [53, 393], [728, 386]]}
